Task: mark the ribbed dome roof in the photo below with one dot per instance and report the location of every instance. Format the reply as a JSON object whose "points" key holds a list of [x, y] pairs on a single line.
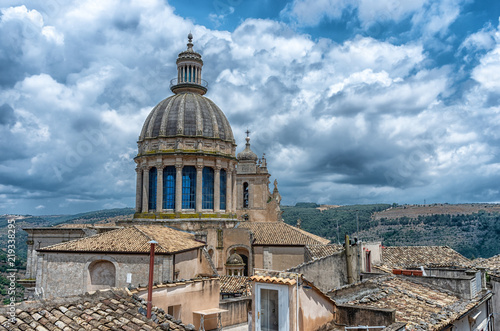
{"points": [[187, 114], [235, 259]]}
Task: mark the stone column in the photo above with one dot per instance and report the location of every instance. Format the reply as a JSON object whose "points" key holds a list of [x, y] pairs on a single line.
{"points": [[229, 191], [145, 190], [178, 188], [217, 189], [159, 187], [199, 187], [138, 190]]}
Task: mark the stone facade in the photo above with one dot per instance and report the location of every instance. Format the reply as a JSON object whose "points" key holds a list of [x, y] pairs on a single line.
{"points": [[64, 274]]}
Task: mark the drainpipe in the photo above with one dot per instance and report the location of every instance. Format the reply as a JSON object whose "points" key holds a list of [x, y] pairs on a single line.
{"points": [[348, 256], [150, 284], [297, 307]]}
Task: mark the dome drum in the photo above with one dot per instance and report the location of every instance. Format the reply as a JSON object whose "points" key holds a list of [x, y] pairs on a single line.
{"points": [[181, 145]]}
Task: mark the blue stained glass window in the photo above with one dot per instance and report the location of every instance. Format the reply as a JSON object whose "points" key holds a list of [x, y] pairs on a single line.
{"points": [[152, 188], [188, 187], [207, 200], [169, 187], [223, 183]]}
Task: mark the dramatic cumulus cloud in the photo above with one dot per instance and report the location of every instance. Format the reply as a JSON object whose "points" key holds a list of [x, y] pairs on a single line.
{"points": [[362, 120]]}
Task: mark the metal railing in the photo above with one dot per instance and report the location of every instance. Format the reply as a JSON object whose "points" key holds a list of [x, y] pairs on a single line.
{"points": [[175, 82]]}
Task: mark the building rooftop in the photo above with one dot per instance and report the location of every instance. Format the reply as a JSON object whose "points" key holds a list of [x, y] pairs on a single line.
{"points": [[427, 256], [235, 285], [133, 239], [421, 306], [104, 310], [320, 251], [280, 233], [492, 264]]}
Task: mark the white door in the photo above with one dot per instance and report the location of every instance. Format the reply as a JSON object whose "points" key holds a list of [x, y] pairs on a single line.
{"points": [[271, 307]]}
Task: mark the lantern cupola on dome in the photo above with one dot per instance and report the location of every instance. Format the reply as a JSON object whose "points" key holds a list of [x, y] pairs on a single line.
{"points": [[189, 65]]}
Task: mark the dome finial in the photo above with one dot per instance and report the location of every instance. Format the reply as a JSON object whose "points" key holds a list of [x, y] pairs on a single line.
{"points": [[190, 42]]}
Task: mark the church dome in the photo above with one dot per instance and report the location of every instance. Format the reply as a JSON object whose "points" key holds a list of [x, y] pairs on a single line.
{"points": [[235, 260], [187, 114], [247, 154]]}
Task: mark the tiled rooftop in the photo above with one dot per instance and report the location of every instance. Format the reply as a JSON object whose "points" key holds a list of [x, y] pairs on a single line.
{"points": [[106, 310], [416, 256], [280, 233], [132, 239], [319, 251], [422, 306], [81, 226], [273, 280], [492, 264], [235, 285], [275, 277]]}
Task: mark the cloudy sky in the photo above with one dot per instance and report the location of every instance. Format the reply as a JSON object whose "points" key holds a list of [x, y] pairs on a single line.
{"points": [[353, 101]]}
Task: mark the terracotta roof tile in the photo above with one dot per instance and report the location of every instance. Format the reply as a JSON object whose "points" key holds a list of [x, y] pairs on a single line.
{"points": [[420, 305], [492, 264], [87, 312], [235, 285], [280, 233], [319, 251], [416, 256], [273, 280], [133, 239]]}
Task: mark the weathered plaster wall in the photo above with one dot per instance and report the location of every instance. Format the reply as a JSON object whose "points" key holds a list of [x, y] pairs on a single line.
{"points": [[278, 257], [237, 310], [314, 309], [375, 254], [329, 272], [191, 264], [495, 300], [190, 296]]}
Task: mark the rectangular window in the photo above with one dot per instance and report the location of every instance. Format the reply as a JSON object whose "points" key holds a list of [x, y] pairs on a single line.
{"points": [[207, 200], [188, 187], [152, 189], [223, 183], [169, 175]]}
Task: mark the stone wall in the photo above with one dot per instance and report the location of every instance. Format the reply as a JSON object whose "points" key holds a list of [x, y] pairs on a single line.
{"points": [[331, 271], [458, 286], [63, 274], [47, 236], [356, 315]]}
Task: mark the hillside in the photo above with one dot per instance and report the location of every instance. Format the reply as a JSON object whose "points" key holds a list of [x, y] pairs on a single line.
{"points": [[29, 221], [414, 211], [471, 229]]}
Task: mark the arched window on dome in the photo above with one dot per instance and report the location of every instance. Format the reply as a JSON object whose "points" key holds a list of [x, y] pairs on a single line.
{"points": [[223, 183], [245, 195], [207, 200], [152, 188], [169, 174], [188, 187]]}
